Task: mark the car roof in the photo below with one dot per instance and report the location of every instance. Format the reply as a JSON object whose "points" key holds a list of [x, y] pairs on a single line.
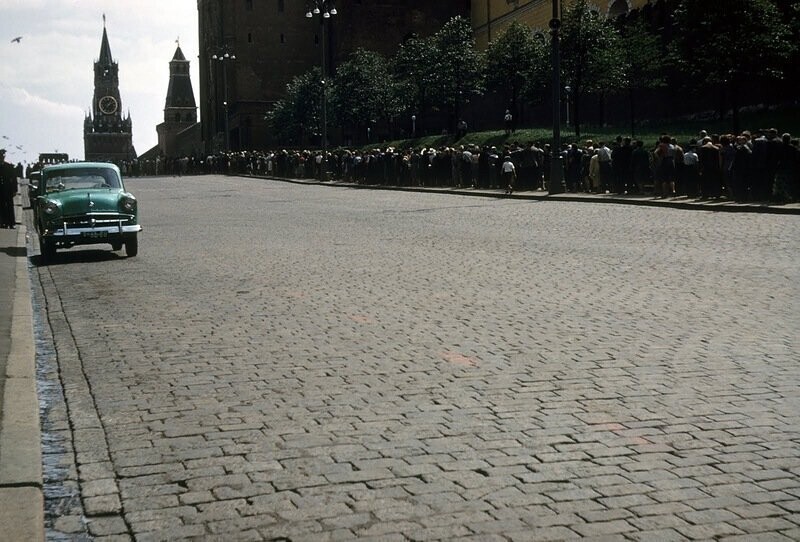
{"points": [[80, 165]]}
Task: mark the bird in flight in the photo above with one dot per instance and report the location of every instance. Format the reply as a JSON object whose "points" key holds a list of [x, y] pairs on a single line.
{"points": [[18, 39]]}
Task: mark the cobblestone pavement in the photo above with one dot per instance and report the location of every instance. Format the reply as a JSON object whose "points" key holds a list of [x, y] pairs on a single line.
{"points": [[312, 363]]}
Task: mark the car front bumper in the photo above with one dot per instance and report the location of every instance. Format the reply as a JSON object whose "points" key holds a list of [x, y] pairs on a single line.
{"points": [[67, 235], [88, 232]]}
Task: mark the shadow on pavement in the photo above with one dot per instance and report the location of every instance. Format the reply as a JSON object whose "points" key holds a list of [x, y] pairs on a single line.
{"points": [[14, 252], [79, 256]]}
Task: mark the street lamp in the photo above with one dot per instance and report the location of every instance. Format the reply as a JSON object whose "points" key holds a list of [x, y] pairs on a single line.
{"points": [[556, 169], [326, 9], [568, 89], [224, 59]]}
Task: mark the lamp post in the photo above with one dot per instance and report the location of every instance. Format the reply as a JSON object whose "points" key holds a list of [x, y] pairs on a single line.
{"points": [[325, 9], [413, 126], [568, 89], [224, 58], [556, 169]]}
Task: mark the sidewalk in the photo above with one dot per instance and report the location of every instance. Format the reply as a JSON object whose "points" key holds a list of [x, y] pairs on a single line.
{"points": [[21, 501], [720, 205]]}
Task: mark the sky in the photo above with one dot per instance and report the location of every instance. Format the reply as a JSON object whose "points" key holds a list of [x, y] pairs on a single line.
{"points": [[47, 79]]}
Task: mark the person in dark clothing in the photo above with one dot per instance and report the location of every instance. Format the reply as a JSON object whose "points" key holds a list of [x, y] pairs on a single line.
{"points": [[526, 167], [741, 170], [621, 165], [8, 189], [640, 168], [710, 169], [787, 174], [573, 177], [774, 149], [483, 169], [760, 184]]}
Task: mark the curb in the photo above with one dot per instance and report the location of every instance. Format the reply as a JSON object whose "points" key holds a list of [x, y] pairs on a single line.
{"points": [[21, 497], [697, 205]]}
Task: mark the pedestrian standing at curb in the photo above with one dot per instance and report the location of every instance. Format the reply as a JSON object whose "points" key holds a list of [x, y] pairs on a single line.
{"points": [[509, 174], [691, 171], [8, 189]]}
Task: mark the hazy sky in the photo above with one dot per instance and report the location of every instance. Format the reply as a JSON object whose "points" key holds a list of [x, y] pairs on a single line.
{"points": [[47, 80]]}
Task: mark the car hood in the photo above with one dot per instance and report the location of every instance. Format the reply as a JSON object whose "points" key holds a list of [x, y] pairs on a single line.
{"points": [[76, 202]]}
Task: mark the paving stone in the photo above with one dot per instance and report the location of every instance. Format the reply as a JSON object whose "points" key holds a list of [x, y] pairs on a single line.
{"points": [[107, 526], [543, 535], [393, 365]]}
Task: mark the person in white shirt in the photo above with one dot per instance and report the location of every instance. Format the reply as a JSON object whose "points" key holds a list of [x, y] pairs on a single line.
{"points": [[509, 174]]}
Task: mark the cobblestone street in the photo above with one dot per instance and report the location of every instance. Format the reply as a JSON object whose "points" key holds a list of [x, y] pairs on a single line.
{"points": [[312, 363]]}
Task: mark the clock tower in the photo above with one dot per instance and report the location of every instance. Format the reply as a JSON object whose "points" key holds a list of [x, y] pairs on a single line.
{"points": [[107, 134]]}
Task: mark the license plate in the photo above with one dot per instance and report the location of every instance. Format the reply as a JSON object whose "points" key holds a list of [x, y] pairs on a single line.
{"points": [[95, 234]]}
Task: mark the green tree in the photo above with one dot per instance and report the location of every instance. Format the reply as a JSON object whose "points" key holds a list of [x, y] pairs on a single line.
{"points": [[589, 61], [539, 72], [413, 69], [513, 61], [363, 91], [299, 114], [640, 54], [457, 72], [724, 44]]}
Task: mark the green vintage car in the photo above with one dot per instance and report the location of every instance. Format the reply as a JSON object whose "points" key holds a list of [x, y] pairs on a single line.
{"points": [[84, 203]]}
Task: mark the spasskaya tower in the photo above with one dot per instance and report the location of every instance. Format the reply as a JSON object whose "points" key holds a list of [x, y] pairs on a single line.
{"points": [[107, 134]]}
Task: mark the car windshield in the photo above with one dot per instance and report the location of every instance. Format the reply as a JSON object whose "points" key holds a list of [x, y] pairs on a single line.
{"points": [[77, 179]]}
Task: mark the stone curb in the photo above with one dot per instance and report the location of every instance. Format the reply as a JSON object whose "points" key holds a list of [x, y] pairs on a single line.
{"points": [[714, 206], [21, 498]]}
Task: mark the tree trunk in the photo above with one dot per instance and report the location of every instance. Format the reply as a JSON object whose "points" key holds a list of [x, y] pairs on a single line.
{"points": [[734, 92]]}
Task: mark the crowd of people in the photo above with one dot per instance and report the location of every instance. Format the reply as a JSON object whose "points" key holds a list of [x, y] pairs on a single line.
{"points": [[747, 167]]}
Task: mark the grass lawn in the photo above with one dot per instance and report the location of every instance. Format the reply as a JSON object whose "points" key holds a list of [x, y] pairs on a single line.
{"points": [[784, 120]]}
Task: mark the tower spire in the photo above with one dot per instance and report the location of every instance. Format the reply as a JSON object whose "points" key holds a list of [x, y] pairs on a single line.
{"points": [[105, 48]]}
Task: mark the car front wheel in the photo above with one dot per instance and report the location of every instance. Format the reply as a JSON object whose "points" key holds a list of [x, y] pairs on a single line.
{"points": [[132, 246]]}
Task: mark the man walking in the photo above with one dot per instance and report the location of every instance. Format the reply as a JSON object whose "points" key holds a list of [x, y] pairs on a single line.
{"points": [[8, 189]]}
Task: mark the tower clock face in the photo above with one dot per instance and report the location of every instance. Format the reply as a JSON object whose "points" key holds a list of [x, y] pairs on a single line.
{"points": [[108, 105]]}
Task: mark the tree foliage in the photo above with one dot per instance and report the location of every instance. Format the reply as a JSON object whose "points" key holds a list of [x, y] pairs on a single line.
{"points": [[457, 72], [719, 42], [516, 65], [724, 44], [299, 113], [589, 62], [641, 62], [363, 90], [412, 69]]}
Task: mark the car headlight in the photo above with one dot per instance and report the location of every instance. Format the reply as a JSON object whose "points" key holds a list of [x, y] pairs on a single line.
{"points": [[128, 203], [50, 208]]}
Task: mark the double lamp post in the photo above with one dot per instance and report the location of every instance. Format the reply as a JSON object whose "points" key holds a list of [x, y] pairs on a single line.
{"points": [[325, 9], [225, 58]]}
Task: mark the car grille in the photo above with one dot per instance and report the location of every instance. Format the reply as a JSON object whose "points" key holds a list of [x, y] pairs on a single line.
{"points": [[90, 220]]}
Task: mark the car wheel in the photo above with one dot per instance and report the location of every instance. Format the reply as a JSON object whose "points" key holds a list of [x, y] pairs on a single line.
{"points": [[48, 249], [132, 246]]}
